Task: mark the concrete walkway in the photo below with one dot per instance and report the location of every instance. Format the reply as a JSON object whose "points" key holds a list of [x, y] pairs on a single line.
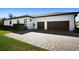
{"points": [[48, 41]]}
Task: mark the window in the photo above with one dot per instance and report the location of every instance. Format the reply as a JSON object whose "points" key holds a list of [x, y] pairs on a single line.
{"points": [[25, 21], [17, 21], [10, 22], [30, 20], [33, 24]]}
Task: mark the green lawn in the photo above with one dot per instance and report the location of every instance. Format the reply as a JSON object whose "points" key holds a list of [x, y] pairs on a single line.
{"points": [[4, 32], [9, 44]]}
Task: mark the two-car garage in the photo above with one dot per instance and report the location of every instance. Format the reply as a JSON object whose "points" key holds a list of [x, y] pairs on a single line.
{"points": [[54, 25]]}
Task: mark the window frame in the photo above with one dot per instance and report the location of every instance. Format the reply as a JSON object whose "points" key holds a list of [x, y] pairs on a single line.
{"points": [[10, 22], [30, 19], [25, 21]]}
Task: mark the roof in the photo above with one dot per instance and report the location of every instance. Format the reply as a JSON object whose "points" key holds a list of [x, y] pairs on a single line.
{"points": [[44, 15], [18, 17], [56, 14]]}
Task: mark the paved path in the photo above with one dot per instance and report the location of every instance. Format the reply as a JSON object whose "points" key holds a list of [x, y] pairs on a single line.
{"points": [[48, 41]]}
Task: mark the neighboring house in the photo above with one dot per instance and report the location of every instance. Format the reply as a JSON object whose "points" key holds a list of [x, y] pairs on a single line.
{"points": [[52, 21]]}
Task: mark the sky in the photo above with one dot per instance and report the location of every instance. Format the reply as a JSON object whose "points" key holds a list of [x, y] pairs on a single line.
{"points": [[34, 11]]}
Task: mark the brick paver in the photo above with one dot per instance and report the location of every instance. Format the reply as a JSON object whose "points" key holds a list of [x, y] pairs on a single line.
{"points": [[48, 41]]}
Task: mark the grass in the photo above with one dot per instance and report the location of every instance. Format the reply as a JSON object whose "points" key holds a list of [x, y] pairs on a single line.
{"points": [[10, 44], [4, 32]]}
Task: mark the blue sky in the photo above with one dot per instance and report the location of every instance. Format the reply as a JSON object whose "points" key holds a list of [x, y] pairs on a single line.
{"points": [[23, 11]]}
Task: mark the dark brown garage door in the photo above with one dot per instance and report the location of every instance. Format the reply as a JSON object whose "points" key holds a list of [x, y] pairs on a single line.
{"points": [[40, 25], [58, 25]]}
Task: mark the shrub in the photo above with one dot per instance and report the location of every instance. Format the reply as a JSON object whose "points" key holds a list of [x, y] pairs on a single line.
{"points": [[7, 27], [19, 27], [76, 29]]}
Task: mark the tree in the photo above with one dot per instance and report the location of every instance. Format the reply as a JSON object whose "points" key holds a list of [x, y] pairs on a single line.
{"points": [[2, 21], [10, 15]]}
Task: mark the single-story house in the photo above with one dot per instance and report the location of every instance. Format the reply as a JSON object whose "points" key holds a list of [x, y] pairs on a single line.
{"points": [[50, 21]]}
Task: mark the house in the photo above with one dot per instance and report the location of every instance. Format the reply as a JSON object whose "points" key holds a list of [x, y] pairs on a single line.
{"points": [[51, 21]]}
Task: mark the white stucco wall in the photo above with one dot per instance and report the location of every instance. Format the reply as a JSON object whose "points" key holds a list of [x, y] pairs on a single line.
{"points": [[21, 21], [7, 23], [29, 23], [14, 21], [69, 18]]}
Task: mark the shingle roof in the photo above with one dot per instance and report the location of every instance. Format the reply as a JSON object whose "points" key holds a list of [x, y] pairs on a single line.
{"points": [[44, 15], [56, 13]]}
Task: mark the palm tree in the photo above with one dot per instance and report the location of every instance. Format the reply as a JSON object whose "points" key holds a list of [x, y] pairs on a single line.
{"points": [[2, 23], [10, 15]]}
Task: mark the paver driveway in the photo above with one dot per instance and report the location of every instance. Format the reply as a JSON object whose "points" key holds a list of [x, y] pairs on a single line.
{"points": [[59, 41]]}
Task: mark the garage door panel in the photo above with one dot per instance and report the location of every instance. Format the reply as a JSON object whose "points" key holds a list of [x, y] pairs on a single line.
{"points": [[58, 25]]}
